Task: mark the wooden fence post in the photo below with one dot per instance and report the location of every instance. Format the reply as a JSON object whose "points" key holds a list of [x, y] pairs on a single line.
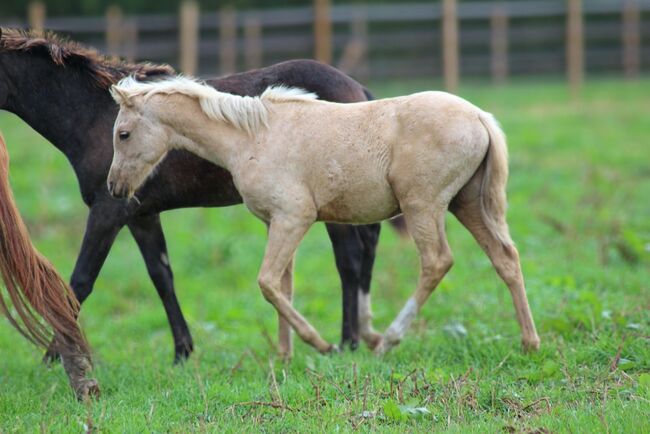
{"points": [[114, 30], [360, 33], [228, 40], [575, 46], [322, 31], [189, 37], [36, 17], [450, 63], [130, 40], [631, 38], [253, 42], [499, 44], [354, 59]]}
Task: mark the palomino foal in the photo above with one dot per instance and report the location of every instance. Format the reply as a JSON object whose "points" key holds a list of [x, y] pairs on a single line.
{"points": [[296, 160]]}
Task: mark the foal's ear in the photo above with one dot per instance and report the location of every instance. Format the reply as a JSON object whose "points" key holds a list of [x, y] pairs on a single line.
{"points": [[120, 96]]}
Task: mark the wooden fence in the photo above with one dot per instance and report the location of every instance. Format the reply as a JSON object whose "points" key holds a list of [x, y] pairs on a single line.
{"points": [[446, 38]]}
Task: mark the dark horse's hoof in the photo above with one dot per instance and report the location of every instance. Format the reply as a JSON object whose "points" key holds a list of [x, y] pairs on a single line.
{"points": [[50, 357], [87, 389], [351, 344], [182, 353]]}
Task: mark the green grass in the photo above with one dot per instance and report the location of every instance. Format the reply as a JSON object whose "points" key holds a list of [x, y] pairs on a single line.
{"points": [[579, 211]]}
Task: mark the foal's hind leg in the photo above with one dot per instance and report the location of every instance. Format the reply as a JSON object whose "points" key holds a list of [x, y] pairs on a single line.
{"points": [[285, 233], [427, 227], [505, 259]]}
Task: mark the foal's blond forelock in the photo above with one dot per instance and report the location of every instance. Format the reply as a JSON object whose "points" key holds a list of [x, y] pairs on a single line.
{"points": [[244, 112]]}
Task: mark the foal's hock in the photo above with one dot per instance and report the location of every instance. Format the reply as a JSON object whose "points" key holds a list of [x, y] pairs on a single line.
{"points": [[296, 160]]}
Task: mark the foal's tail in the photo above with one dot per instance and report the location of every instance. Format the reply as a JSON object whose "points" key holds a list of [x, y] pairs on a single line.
{"points": [[495, 178], [35, 290]]}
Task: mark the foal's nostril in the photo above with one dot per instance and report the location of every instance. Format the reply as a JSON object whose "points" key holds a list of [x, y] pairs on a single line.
{"points": [[111, 185]]}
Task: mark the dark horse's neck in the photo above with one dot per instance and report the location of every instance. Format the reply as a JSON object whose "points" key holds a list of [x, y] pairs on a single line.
{"points": [[61, 90], [65, 107]]}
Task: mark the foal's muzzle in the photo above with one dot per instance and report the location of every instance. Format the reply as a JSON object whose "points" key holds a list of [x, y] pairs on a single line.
{"points": [[118, 192]]}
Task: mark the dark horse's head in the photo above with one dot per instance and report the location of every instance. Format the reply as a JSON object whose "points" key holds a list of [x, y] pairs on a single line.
{"points": [[61, 89], [39, 60]]}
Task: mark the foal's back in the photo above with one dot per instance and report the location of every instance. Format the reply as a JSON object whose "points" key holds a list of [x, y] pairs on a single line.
{"points": [[347, 154]]}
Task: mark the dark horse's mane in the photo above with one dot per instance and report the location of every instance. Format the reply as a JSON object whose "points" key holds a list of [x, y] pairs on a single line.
{"points": [[103, 70]]}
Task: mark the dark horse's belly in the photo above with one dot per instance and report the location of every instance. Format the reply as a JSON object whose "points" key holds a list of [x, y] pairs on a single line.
{"points": [[184, 180]]}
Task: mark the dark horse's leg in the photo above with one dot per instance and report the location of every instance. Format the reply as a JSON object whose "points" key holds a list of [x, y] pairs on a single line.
{"points": [[347, 253], [148, 233], [354, 250], [105, 220], [369, 235]]}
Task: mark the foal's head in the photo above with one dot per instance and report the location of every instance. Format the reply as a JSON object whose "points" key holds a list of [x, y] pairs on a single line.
{"points": [[140, 142], [151, 121]]}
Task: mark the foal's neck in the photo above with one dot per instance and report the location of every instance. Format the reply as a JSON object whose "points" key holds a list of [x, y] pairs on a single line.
{"points": [[217, 141]]}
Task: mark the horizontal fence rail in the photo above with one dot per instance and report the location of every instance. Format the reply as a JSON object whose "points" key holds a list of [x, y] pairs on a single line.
{"points": [[449, 39]]}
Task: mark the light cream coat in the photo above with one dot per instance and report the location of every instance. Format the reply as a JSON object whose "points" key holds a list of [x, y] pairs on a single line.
{"points": [[296, 160]]}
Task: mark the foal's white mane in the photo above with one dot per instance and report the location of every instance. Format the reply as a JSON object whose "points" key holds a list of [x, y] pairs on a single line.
{"points": [[244, 112]]}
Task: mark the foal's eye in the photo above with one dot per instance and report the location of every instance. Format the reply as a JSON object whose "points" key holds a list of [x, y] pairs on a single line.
{"points": [[124, 135]]}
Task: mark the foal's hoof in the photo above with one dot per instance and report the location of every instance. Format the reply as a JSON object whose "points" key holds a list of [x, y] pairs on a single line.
{"points": [[373, 340], [87, 389], [285, 356], [387, 343], [530, 345], [381, 348], [332, 349]]}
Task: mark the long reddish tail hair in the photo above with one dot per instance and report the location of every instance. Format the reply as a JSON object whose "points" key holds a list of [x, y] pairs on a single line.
{"points": [[35, 290]]}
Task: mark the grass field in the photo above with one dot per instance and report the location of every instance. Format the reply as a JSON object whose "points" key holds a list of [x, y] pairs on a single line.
{"points": [[579, 212]]}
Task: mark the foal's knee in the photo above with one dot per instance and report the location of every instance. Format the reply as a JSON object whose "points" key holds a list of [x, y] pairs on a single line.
{"points": [[439, 266], [445, 262], [268, 285]]}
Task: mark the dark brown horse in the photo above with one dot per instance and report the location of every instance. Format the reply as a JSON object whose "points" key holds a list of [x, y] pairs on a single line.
{"points": [[37, 292], [61, 90]]}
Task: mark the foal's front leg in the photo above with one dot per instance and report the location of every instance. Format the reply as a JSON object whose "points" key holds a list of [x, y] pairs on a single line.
{"points": [[284, 328], [285, 233]]}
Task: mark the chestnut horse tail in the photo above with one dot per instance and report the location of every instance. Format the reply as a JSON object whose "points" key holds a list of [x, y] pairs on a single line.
{"points": [[35, 290], [493, 187]]}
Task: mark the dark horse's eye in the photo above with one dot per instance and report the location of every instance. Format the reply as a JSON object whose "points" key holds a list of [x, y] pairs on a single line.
{"points": [[124, 135]]}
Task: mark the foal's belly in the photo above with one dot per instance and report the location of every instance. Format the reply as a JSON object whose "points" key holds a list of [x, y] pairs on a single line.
{"points": [[357, 202]]}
